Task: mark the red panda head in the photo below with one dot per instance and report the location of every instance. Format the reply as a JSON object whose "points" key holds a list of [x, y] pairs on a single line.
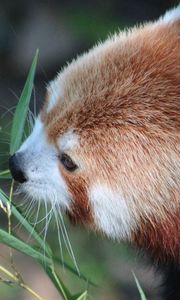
{"points": [[106, 144]]}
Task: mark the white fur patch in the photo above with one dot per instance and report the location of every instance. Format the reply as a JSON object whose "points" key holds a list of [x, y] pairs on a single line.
{"points": [[41, 166], [171, 15], [111, 212], [33, 138], [55, 92], [68, 141]]}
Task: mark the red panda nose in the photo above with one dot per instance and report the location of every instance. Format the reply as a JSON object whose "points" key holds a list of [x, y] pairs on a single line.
{"points": [[16, 169]]}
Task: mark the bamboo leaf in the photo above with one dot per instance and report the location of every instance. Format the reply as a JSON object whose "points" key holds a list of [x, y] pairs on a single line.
{"points": [[21, 246], [74, 271], [58, 283], [82, 296], [47, 263], [26, 224], [22, 109], [143, 297], [37, 238], [5, 175]]}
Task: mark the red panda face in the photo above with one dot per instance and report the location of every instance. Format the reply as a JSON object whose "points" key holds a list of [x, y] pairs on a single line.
{"points": [[106, 143]]}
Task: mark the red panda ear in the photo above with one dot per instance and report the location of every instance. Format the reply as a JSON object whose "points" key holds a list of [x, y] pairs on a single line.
{"points": [[176, 28], [177, 25], [172, 16]]}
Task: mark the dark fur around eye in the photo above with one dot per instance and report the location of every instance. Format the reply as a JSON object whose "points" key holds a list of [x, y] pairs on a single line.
{"points": [[67, 162]]}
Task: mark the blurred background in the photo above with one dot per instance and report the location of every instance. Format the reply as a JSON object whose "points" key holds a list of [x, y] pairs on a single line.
{"points": [[62, 30]]}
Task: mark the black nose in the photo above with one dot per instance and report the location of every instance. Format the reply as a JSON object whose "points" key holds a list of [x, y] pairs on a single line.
{"points": [[15, 163]]}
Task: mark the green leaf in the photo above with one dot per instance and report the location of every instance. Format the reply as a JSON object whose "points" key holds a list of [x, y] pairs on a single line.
{"points": [[82, 296], [47, 263], [22, 109], [37, 238], [58, 283], [62, 288], [26, 224], [21, 246], [5, 175], [143, 297], [74, 271]]}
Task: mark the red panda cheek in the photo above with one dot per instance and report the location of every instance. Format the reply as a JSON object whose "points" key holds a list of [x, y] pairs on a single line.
{"points": [[80, 210], [160, 238]]}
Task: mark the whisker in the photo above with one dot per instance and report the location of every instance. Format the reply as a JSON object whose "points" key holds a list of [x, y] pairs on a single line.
{"points": [[30, 208], [6, 126], [41, 220], [34, 103], [59, 230], [67, 241], [27, 213], [34, 225], [8, 110], [14, 94], [47, 222], [37, 214], [30, 121]]}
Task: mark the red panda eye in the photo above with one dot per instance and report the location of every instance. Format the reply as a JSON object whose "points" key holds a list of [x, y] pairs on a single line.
{"points": [[67, 162]]}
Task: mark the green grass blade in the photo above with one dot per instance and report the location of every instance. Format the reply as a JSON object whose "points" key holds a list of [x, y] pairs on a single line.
{"points": [[143, 297], [16, 243], [74, 271], [26, 224], [5, 175], [82, 296], [46, 262], [30, 229], [58, 283], [22, 109], [21, 246]]}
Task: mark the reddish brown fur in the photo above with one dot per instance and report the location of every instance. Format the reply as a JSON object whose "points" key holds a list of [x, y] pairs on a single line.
{"points": [[78, 189], [160, 239], [124, 105]]}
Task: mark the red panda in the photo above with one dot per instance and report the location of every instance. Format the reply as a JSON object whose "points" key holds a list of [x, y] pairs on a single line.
{"points": [[106, 145]]}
